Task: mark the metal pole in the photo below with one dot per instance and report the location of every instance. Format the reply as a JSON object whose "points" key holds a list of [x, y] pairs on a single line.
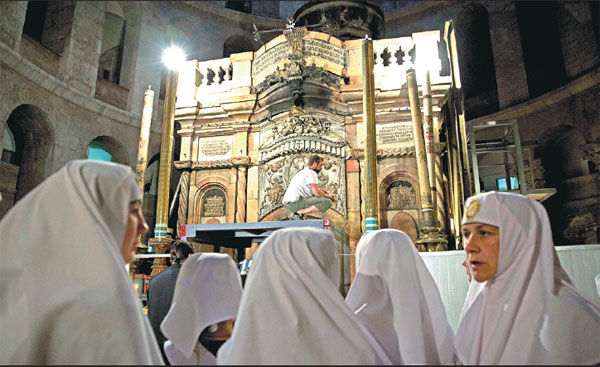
{"points": [[429, 141], [160, 241], [166, 156], [430, 237], [473, 143], [371, 207], [520, 169], [142, 160]]}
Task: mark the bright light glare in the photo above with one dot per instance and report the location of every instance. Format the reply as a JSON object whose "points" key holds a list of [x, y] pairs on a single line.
{"points": [[173, 57]]}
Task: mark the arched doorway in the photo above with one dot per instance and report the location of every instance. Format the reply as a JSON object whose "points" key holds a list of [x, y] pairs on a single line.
{"points": [[27, 146]]}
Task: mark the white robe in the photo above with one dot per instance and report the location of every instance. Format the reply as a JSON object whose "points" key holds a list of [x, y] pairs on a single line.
{"points": [[396, 298], [208, 290], [64, 293], [291, 311], [529, 313]]}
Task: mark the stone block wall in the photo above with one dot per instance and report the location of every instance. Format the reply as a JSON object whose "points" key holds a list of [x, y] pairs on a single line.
{"points": [[12, 17]]}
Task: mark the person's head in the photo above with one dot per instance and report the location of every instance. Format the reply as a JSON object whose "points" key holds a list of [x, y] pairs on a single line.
{"points": [[315, 163], [136, 227], [481, 237], [180, 251], [205, 303]]}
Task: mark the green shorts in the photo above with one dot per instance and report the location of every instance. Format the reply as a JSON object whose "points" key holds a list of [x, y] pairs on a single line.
{"points": [[320, 202]]}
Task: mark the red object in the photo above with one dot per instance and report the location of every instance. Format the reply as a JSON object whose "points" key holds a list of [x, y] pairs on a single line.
{"points": [[326, 224], [183, 230]]}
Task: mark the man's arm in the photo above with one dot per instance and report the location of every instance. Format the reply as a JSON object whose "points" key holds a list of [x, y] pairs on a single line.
{"points": [[317, 191]]}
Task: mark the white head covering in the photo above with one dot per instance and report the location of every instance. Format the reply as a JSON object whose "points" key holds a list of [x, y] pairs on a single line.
{"points": [[530, 313], [64, 293], [291, 311], [208, 291], [391, 272]]}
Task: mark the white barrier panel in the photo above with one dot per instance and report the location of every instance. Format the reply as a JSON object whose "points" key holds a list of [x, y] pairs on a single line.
{"points": [[581, 262]]}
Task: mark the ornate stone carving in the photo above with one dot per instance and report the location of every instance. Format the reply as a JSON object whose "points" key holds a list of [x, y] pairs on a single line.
{"points": [[301, 134], [213, 204], [275, 175], [401, 195], [591, 152], [406, 151], [218, 163], [297, 71]]}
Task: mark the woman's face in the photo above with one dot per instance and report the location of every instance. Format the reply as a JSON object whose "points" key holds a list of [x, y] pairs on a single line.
{"points": [[482, 245], [136, 227]]}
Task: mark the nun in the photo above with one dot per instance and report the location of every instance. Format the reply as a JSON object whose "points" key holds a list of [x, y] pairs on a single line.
{"points": [[521, 307], [291, 310], [205, 303], [66, 296], [396, 298]]}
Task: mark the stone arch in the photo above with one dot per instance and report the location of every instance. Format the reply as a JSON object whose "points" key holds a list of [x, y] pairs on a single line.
{"points": [[35, 135], [559, 151], [111, 145], [390, 176], [202, 188], [476, 60], [237, 44]]}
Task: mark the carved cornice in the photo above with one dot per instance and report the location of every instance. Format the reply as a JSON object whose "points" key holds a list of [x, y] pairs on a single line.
{"points": [[219, 163], [591, 152], [302, 144], [406, 151], [183, 164]]}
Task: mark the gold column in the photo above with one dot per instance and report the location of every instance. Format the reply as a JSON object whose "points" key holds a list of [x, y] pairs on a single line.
{"points": [[371, 207], [160, 242], [142, 160], [429, 236]]}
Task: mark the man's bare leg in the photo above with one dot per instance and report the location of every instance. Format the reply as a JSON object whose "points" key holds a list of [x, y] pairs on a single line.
{"points": [[310, 209]]}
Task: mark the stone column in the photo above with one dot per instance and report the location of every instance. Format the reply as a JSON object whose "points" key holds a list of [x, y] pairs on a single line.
{"points": [[240, 214], [371, 207], [142, 160], [184, 189]]}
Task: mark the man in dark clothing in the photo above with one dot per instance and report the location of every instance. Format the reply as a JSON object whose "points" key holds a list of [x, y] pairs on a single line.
{"points": [[162, 287]]}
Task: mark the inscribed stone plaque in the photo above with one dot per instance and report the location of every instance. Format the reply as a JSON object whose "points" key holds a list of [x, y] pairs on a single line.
{"points": [[325, 51], [215, 148], [213, 204], [271, 57], [401, 195], [394, 133]]}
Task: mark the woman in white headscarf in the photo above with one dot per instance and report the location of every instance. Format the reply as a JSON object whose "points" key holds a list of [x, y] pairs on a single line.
{"points": [[396, 298], [521, 307], [66, 296], [291, 311], [207, 297]]}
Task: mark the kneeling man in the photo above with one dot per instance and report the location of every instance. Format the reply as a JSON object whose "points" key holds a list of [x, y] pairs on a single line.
{"points": [[304, 195]]}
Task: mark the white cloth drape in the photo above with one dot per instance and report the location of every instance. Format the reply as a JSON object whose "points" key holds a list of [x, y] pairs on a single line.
{"points": [[65, 297], [291, 311], [208, 291], [396, 298], [530, 313]]}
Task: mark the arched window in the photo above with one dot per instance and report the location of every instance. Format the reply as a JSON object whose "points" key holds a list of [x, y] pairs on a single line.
{"points": [[106, 148], [49, 22]]}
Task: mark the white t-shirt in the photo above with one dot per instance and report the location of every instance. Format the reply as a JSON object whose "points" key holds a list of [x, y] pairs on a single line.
{"points": [[300, 185]]}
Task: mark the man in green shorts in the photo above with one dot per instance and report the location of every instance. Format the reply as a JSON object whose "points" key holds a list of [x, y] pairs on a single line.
{"points": [[304, 195]]}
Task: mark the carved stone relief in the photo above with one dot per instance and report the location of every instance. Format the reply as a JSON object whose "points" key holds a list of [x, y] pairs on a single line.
{"points": [[213, 204], [401, 195], [275, 175]]}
